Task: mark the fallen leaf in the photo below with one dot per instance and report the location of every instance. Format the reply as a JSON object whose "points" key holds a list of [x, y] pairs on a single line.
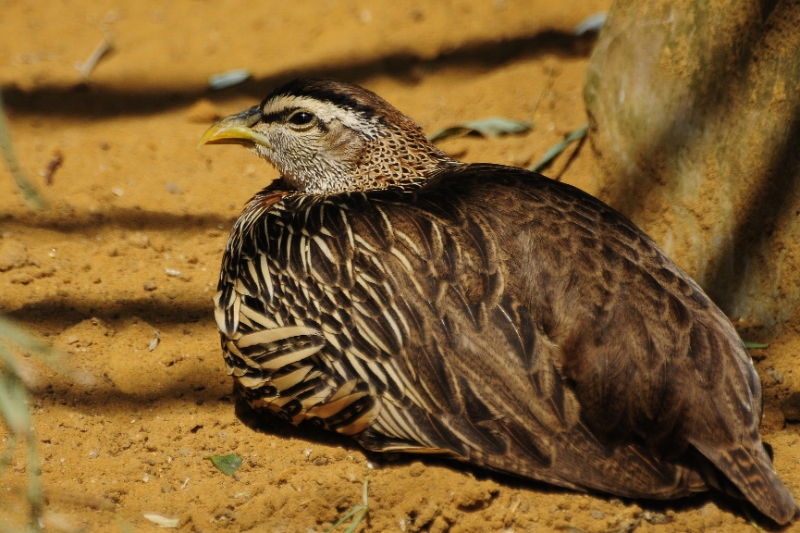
{"points": [[227, 464], [228, 79], [489, 127]]}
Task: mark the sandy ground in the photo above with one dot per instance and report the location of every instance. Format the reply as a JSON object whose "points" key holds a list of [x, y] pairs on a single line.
{"points": [[129, 248]]}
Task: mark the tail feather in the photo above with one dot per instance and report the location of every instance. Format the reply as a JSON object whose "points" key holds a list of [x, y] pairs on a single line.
{"points": [[752, 473]]}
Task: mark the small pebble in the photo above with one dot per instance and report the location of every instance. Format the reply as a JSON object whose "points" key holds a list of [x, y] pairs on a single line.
{"points": [[21, 278], [777, 375], [655, 518], [708, 509], [172, 188], [13, 254], [154, 343]]}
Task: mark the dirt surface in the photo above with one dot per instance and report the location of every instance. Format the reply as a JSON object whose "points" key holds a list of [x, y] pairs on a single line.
{"points": [[128, 251]]}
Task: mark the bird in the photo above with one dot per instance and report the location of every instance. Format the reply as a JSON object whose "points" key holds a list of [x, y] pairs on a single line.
{"points": [[383, 290]]}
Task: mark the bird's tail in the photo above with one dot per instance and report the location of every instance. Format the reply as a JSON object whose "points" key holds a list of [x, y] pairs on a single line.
{"points": [[752, 473]]}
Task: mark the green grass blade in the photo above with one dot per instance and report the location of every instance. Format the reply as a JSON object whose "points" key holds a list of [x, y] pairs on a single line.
{"points": [[10, 333], [348, 514], [13, 399], [551, 154], [359, 511], [357, 520], [25, 186], [15, 411], [755, 345]]}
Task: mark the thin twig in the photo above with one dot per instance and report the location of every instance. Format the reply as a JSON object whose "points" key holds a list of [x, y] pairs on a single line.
{"points": [[548, 82], [102, 49], [52, 166]]}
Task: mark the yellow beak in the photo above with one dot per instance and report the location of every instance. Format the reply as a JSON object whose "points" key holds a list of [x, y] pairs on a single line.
{"points": [[236, 129]]}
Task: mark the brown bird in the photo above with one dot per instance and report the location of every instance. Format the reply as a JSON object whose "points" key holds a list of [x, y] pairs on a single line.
{"points": [[385, 291]]}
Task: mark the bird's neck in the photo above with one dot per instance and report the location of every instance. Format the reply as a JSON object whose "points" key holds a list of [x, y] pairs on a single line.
{"points": [[404, 169], [380, 171]]}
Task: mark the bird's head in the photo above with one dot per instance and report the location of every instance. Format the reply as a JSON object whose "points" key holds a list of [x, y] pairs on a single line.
{"points": [[326, 136]]}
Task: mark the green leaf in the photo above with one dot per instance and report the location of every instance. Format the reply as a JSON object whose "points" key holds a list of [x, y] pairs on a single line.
{"points": [[551, 154], [757, 345], [227, 464], [489, 127]]}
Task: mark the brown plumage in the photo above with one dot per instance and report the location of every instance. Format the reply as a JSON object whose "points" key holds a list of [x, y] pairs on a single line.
{"points": [[386, 291]]}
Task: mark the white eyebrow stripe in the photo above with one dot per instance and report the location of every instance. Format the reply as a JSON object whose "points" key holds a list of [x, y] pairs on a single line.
{"points": [[325, 111]]}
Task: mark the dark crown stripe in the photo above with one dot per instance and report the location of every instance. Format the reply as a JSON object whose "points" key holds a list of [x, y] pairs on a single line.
{"points": [[321, 89]]}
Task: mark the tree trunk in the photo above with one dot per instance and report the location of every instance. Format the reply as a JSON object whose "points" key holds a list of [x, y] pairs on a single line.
{"points": [[695, 114]]}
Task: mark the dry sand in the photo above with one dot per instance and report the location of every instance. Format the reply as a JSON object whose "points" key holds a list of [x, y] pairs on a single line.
{"points": [[130, 245]]}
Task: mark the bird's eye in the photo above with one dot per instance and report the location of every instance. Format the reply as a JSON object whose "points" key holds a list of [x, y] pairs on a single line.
{"points": [[301, 118]]}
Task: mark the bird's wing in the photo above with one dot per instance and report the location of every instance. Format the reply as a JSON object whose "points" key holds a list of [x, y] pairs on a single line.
{"points": [[650, 358], [481, 377], [395, 319]]}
